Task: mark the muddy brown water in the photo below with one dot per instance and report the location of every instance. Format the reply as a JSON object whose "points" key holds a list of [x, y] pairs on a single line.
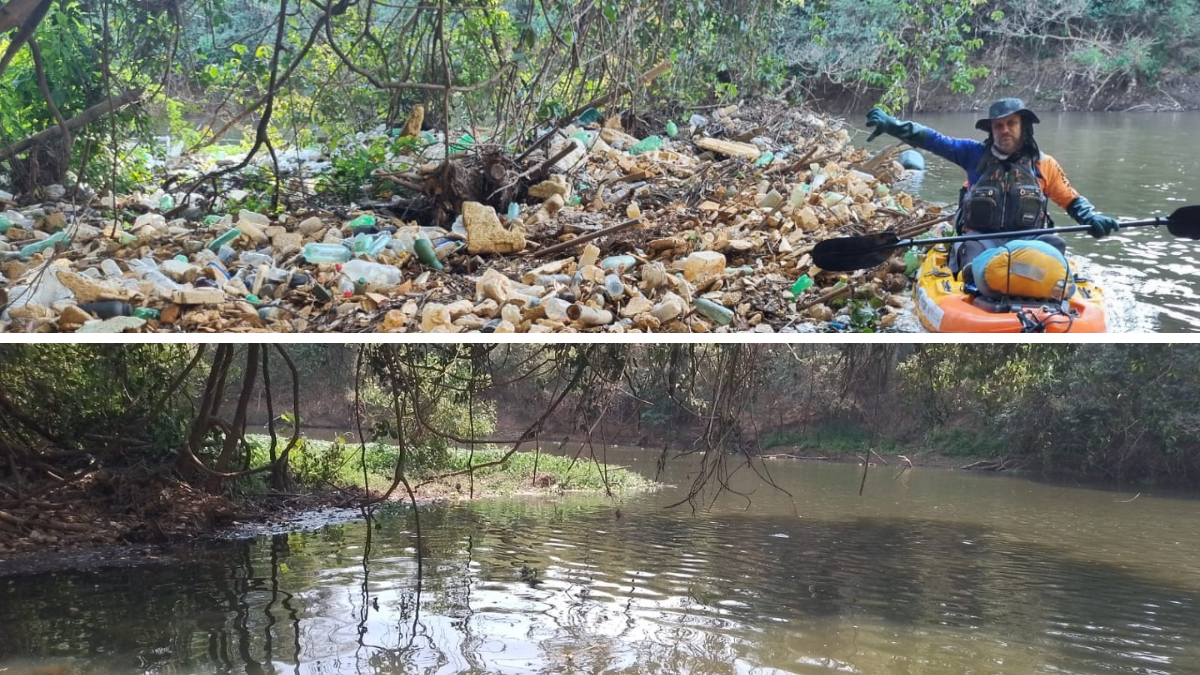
{"points": [[1130, 165], [934, 571]]}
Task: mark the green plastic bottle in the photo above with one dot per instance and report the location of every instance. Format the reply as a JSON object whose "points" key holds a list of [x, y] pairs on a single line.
{"points": [[216, 244], [365, 220], [425, 253], [802, 284], [26, 252], [713, 310], [588, 116], [672, 129], [912, 262], [647, 144]]}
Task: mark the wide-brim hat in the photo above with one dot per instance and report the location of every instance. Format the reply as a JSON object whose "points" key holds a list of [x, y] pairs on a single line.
{"points": [[1003, 108]]}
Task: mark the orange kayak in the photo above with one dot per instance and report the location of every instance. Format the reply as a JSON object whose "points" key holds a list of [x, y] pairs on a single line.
{"points": [[944, 307]]}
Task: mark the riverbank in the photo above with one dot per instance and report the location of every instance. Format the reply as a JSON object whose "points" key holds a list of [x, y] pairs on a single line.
{"points": [[135, 516]]}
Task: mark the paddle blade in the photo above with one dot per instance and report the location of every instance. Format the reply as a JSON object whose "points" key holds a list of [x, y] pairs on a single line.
{"points": [[1185, 222], [847, 254]]}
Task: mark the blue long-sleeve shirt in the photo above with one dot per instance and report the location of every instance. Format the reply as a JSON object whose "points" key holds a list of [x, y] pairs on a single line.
{"points": [[967, 153]]}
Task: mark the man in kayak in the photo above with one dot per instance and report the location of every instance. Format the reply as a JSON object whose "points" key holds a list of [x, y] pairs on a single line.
{"points": [[1009, 180]]}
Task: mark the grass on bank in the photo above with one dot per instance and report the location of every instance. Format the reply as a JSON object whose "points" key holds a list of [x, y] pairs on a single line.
{"points": [[322, 463]]}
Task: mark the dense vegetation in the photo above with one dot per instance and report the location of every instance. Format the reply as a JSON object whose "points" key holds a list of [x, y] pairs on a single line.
{"points": [[317, 74]]}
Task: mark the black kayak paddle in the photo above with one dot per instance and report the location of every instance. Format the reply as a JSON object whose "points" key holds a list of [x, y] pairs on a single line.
{"points": [[846, 254]]}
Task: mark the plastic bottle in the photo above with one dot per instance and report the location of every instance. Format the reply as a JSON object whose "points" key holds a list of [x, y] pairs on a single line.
{"points": [[5, 224], [346, 287], [617, 262], [647, 144], [588, 116], [254, 218], [107, 309], [369, 244], [672, 129], [372, 273], [556, 309], [32, 249], [613, 286], [715, 311], [548, 280], [365, 220], [253, 259], [110, 268], [220, 273], [444, 247], [147, 270], [216, 244], [802, 284], [325, 253], [425, 253]]}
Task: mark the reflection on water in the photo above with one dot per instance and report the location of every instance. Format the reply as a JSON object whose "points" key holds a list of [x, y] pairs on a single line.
{"points": [[1133, 166], [938, 572]]}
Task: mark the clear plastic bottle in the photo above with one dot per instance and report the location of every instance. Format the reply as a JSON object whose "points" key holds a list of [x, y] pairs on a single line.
{"points": [[372, 273], [556, 308], [613, 286], [110, 268], [326, 253], [253, 259], [147, 270], [370, 244]]}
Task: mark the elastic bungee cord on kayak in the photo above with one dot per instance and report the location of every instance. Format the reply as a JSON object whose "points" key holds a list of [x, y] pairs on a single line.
{"points": [[1031, 323]]}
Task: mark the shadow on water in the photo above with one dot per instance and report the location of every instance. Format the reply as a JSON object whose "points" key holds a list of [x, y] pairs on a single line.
{"points": [[571, 587]]}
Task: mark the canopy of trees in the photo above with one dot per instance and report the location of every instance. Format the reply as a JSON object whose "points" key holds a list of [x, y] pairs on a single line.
{"points": [[81, 78]]}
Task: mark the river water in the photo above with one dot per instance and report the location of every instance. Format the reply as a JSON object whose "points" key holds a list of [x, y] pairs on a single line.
{"points": [[1132, 166], [930, 571]]}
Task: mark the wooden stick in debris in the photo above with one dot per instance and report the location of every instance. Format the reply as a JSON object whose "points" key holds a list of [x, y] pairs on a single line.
{"points": [[568, 245], [796, 165], [827, 296], [537, 171], [921, 227]]}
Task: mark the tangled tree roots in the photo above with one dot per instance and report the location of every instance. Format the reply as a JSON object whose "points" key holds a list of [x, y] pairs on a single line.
{"points": [[40, 165]]}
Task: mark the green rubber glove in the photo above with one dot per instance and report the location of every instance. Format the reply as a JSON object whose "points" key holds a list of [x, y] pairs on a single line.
{"points": [[909, 132], [1082, 212]]}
